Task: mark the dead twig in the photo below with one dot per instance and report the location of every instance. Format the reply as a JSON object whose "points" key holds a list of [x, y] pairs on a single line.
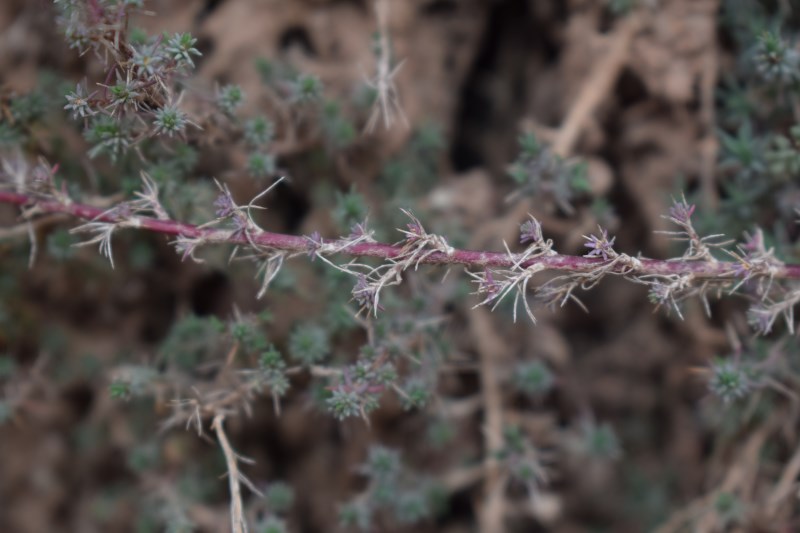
{"points": [[597, 86], [238, 520]]}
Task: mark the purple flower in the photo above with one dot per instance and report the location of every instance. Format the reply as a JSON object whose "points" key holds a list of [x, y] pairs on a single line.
{"points": [[681, 212], [364, 293], [659, 293], [600, 246], [530, 231], [741, 268], [224, 204], [314, 244], [754, 242], [122, 211], [415, 231], [358, 230], [240, 225], [489, 286]]}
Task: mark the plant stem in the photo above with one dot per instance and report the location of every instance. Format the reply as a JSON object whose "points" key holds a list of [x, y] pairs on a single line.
{"points": [[473, 258]]}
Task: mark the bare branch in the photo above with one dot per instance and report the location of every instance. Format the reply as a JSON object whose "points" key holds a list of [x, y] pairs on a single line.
{"points": [[238, 520]]}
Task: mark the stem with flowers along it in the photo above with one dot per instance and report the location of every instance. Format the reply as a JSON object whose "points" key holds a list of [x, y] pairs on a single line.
{"points": [[695, 273]]}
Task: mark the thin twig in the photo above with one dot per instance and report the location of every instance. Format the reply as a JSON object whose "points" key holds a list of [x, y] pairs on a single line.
{"points": [[598, 85], [238, 520], [473, 258]]}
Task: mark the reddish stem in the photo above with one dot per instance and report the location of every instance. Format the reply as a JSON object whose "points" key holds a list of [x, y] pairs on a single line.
{"points": [[474, 258]]}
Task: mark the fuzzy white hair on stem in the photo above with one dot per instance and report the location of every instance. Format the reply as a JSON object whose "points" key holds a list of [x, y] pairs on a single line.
{"points": [[235, 476], [104, 232], [148, 198], [419, 244], [269, 268]]}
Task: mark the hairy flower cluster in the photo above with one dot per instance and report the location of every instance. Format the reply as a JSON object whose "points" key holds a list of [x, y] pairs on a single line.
{"points": [[601, 246], [419, 244]]}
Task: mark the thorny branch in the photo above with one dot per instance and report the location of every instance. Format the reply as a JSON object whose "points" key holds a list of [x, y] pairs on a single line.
{"points": [[753, 267]]}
